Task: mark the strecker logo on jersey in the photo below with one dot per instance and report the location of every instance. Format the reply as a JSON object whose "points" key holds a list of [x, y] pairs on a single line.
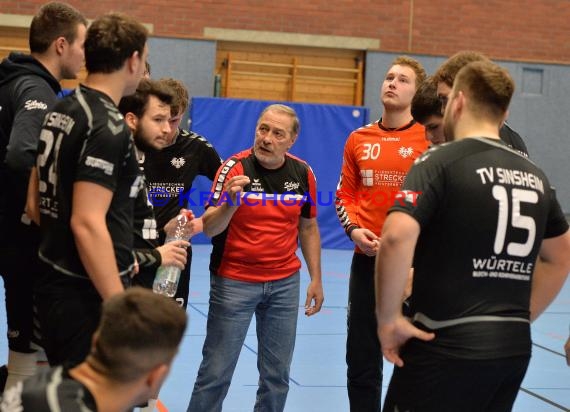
{"points": [[382, 177]]}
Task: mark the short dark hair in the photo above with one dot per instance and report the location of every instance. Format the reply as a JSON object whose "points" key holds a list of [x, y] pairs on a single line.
{"points": [[448, 70], [137, 103], [425, 102], [488, 86], [180, 93], [111, 40], [139, 330], [54, 20]]}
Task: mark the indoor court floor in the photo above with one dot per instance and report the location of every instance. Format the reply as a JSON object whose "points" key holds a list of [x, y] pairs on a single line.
{"points": [[318, 371]]}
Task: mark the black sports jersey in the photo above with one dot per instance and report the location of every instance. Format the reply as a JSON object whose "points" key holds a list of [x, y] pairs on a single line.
{"points": [[146, 233], [512, 139], [146, 238], [51, 390], [171, 171], [27, 92], [483, 210], [86, 139]]}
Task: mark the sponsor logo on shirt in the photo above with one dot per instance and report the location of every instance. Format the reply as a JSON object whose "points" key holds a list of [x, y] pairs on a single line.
{"points": [[367, 177], [390, 139], [405, 152], [34, 104], [256, 186], [493, 267], [178, 162], [97, 163], [371, 177], [290, 186]]}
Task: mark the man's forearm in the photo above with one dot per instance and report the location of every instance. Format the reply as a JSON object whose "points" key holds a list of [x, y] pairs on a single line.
{"points": [[99, 261], [393, 263], [547, 280], [217, 218], [310, 240]]}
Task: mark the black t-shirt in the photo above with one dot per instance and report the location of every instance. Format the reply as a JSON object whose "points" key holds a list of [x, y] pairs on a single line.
{"points": [[513, 139], [146, 232], [51, 390], [171, 171], [85, 138], [146, 237], [483, 210]]}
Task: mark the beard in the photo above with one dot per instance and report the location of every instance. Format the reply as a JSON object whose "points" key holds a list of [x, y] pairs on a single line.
{"points": [[143, 144]]}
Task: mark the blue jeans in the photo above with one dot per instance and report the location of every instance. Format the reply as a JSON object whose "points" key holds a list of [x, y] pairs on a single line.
{"points": [[232, 305]]}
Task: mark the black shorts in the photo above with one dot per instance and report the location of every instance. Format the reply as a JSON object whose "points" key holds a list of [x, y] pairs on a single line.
{"points": [[20, 270], [68, 310], [428, 382]]}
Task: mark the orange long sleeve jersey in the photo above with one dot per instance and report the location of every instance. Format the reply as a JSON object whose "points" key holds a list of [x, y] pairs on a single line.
{"points": [[375, 163]]}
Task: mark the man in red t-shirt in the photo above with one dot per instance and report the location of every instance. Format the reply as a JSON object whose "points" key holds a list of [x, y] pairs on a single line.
{"points": [[262, 204]]}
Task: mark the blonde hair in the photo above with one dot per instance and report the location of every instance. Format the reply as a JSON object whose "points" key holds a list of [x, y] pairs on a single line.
{"points": [[413, 64]]}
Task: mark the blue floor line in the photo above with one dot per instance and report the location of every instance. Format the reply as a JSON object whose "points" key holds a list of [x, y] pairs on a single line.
{"points": [[543, 399]]}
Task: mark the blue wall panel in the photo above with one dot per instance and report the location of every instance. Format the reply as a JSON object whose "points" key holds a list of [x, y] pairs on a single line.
{"points": [[230, 125]]}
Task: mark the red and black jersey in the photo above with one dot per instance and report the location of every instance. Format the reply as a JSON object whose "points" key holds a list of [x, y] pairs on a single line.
{"points": [[483, 210], [260, 242], [375, 163]]}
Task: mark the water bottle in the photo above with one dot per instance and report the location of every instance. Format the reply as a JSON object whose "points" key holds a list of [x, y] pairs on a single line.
{"points": [[167, 277]]}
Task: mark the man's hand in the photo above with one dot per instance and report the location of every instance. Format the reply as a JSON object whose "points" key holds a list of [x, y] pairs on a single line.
{"points": [[366, 241], [316, 295], [234, 186], [170, 226], [174, 253], [394, 334]]}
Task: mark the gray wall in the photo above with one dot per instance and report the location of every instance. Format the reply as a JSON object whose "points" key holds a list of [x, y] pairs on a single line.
{"points": [[191, 61], [539, 111]]}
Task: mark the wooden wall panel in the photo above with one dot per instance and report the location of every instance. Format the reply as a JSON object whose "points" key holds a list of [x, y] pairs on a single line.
{"points": [[301, 74]]}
